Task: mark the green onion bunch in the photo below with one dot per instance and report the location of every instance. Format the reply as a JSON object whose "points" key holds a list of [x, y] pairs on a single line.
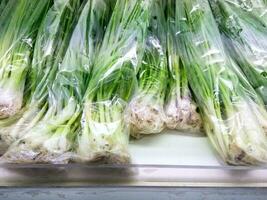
{"points": [[48, 105], [146, 109], [180, 109], [19, 22], [105, 133], [52, 139], [244, 32], [233, 114]]}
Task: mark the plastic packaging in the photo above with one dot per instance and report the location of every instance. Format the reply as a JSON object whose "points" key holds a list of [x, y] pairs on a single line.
{"points": [[113, 80], [180, 109], [106, 133], [19, 22], [146, 109], [258, 8], [47, 136], [234, 116], [244, 31]]}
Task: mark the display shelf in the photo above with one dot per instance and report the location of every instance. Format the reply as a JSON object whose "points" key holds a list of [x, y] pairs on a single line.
{"points": [[168, 159]]}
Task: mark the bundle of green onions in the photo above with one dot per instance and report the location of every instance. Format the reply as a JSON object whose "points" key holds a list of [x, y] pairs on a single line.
{"points": [[245, 36], [52, 140], [19, 24], [146, 112], [105, 133], [50, 48], [233, 115], [180, 109]]}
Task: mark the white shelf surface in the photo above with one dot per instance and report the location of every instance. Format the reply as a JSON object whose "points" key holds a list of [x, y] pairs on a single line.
{"points": [[173, 148], [167, 159]]}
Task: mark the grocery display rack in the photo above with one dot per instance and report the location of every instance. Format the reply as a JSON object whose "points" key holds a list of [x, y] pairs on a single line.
{"points": [[171, 160]]}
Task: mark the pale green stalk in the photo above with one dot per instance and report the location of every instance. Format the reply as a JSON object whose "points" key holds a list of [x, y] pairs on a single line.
{"points": [[19, 22], [52, 139], [233, 115], [244, 32], [50, 47], [146, 112], [180, 109], [105, 133]]}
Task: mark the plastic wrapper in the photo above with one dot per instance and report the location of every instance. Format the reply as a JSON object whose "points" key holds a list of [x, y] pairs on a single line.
{"points": [[113, 80], [180, 109], [47, 142], [108, 133], [258, 8], [244, 31], [42, 134], [233, 115], [52, 139], [19, 22], [146, 112], [146, 108]]}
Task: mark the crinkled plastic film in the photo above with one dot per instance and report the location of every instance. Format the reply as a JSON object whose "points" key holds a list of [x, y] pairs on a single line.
{"points": [[46, 130], [257, 7], [146, 112], [233, 114], [113, 80], [106, 136], [146, 109], [180, 109], [244, 33], [16, 50], [19, 24]]}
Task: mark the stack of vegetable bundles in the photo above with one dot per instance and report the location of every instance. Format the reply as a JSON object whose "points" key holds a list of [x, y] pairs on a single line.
{"points": [[80, 78]]}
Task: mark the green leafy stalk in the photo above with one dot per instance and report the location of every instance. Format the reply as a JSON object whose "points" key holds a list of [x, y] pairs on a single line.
{"points": [[180, 109], [49, 50], [112, 81], [234, 116], [244, 32], [146, 112], [52, 139], [19, 23], [6, 8]]}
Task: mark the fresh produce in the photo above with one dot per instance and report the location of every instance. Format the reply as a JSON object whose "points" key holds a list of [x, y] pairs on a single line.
{"points": [[47, 101], [105, 133], [52, 140], [180, 109], [244, 32], [233, 115], [19, 22], [78, 77], [146, 109]]}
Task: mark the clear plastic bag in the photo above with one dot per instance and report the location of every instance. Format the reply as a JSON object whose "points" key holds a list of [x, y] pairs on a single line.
{"points": [[258, 8], [180, 109], [113, 80], [48, 137], [146, 108], [233, 114], [244, 31], [19, 22], [106, 137]]}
